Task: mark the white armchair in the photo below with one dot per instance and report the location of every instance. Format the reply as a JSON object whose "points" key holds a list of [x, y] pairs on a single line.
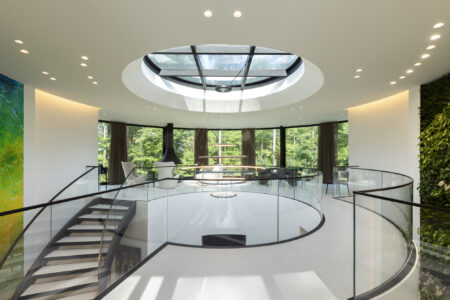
{"points": [[134, 178], [165, 170]]}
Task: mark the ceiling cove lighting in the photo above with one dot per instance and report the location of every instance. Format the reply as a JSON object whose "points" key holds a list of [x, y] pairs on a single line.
{"points": [[44, 72], [20, 42], [438, 25], [84, 65], [208, 13], [237, 14], [84, 57], [393, 82], [425, 55], [431, 47], [435, 37], [418, 64], [24, 51]]}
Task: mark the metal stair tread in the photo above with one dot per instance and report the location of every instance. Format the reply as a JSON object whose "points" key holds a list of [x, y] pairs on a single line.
{"points": [[73, 252], [39, 288], [84, 239], [91, 227], [104, 216], [49, 269], [108, 207]]}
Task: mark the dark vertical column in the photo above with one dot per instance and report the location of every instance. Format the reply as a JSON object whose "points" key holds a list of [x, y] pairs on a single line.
{"points": [[327, 151], [248, 147], [117, 152], [282, 147], [201, 146]]}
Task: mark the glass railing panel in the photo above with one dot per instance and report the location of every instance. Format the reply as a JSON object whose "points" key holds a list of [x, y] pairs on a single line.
{"points": [[382, 241]]}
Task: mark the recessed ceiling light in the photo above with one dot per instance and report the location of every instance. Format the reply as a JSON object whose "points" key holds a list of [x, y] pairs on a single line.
{"points": [[431, 47], [208, 13], [237, 14], [358, 70], [409, 71], [90, 77], [425, 55], [393, 82], [300, 107], [435, 37], [292, 108], [83, 65], [20, 42], [356, 76], [84, 57], [402, 77], [438, 25], [44, 72], [24, 51], [146, 106], [52, 78], [94, 82], [155, 108], [418, 64]]}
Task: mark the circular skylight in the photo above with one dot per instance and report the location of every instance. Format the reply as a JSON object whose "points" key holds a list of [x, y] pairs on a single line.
{"points": [[236, 72]]}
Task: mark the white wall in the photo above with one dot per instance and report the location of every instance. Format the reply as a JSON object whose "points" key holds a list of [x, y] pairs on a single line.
{"points": [[60, 139]]}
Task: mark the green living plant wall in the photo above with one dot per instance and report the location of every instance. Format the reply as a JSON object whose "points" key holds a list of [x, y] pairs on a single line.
{"points": [[435, 189], [11, 177]]}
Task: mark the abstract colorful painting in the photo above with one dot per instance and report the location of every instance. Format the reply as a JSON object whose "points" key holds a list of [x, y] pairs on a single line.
{"points": [[11, 162]]}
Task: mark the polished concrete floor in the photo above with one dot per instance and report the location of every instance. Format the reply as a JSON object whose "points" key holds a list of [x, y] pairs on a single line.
{"points": [[318, 266]]}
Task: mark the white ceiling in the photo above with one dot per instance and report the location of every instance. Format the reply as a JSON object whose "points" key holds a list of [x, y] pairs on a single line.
{"points": [[382, 37]]}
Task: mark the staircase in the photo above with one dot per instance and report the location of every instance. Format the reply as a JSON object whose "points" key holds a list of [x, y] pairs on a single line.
{"points": [[68, 267]]}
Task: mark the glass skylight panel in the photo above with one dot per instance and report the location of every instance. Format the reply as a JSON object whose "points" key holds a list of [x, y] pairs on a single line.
{"points": [[222, 49], [192, 79], [174, 61], [223, 62], [272, 62], [223, 80], [255, 79]]}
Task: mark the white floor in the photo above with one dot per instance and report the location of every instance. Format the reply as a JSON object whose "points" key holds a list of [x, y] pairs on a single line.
{"points": [[318, 266]]}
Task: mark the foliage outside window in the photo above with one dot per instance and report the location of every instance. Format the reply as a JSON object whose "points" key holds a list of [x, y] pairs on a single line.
{"points": [[267, 147], [225, 137], [183, 143], [342, 144], [302, 146], [144, 146], [104, 138]]}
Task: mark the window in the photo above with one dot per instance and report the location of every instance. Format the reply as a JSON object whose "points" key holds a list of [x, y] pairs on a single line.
{"points": [[233, 137], [144, 145], [183, 143], [302, 145], [104, 138], [342, 144], [267, 147]]}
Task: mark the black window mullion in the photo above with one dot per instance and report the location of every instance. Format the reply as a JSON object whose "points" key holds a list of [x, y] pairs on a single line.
{"points": [[199, 67]]}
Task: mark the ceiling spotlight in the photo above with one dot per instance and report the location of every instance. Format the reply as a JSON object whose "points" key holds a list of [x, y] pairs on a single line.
{"points": [[223, 88], [358, 70], [402, 77], [52, 78], [409, 71], [155, 108], [146, 106], [20, 42], [90, 77], [292, 108], [418, 64], [356, 76], [393, 82], [83, 65], [208, 13], [425, 55], [438, 25], [435, 37], [431, 47], [237, 14], [300, 107], [44, 72], [24, 51], [84, 57], [94, 82]]}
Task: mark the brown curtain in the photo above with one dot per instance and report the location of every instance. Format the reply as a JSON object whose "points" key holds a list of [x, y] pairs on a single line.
{"points": [[248, 147], [117, 152], [327, 151], [201, 146]]}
